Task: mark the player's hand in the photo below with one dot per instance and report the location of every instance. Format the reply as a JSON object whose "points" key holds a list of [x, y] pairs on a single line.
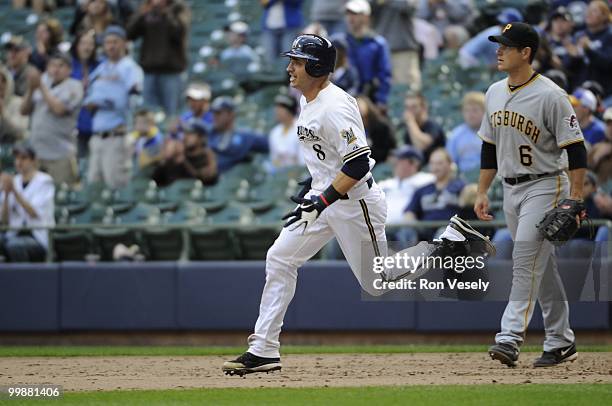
{"points": [[307, 211], [481, 207]]}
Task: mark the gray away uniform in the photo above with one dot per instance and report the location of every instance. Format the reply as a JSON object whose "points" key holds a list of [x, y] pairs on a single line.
{"points": [[529, 126]]}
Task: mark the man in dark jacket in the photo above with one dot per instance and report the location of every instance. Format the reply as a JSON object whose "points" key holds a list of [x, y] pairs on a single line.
{"points": [[163, 26]]}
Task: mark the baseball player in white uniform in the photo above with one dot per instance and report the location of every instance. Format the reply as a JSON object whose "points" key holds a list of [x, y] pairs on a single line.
{"points": [[529, 131], [343, 201]]}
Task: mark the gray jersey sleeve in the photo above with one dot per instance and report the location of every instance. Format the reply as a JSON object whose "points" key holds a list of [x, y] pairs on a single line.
{"points": [[486, 132], [562, 120]]}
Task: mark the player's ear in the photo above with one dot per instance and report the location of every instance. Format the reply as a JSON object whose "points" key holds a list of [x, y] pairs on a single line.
{"points": [[527, 51]]}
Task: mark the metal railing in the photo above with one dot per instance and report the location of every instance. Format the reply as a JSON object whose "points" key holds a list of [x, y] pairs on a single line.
{"points": [[185, 227]]}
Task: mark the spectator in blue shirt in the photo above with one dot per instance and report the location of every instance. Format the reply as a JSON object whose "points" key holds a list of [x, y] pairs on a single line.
{"points": [[230, 145], [108, 98], [438, 200], [593, 51], [464, 144], [585, 104], [418, 129], [369, 53], [84, 61], [198, 101], [239, 57], [479, 50], [559, 34], [281, 21]]}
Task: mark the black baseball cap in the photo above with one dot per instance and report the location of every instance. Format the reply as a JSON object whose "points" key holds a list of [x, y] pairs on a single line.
{"points": [[408, 152], [17, 42], [222, 103], [287, 102], [561, 12], [518, 35]]}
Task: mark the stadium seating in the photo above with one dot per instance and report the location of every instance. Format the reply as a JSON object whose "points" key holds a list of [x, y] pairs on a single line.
{"points": [[239, 217], [211, 244]]}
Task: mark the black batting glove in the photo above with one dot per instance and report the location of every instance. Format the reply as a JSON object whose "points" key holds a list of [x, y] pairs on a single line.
{"points": [[307, 211]]}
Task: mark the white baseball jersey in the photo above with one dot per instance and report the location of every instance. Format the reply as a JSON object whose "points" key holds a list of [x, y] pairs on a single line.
{"points": [[331, 133]]}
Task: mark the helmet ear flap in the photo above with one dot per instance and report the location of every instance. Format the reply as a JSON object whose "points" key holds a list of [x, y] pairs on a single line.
{"points": [[315, 69]]}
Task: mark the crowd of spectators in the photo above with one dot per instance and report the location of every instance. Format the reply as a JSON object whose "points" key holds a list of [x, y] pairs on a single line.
{"points": [[82, 104]]}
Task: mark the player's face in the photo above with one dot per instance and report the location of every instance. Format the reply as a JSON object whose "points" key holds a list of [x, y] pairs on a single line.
{"points": [[510, 58], [298, 77]]}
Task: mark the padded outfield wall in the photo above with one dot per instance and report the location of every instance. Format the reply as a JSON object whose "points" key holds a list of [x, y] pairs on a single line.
{"points": [[222, 296]]}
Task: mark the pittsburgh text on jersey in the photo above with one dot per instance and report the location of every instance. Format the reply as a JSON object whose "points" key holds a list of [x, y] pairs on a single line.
{"points": [[526, 126]]}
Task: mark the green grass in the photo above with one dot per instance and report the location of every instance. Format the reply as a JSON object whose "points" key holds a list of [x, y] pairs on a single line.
{"points": [[72, 351], [554, 395]]}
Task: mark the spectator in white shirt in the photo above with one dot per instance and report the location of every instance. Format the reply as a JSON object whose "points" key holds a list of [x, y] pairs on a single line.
{"points": [[408, 178], [284, 143], [26, 201]]}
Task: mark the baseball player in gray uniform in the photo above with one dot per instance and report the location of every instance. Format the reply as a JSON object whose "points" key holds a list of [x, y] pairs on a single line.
{"points": [[532, 139]]}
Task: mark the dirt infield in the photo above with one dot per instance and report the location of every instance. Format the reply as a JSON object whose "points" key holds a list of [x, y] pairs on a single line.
{"points": [[160, 372]]}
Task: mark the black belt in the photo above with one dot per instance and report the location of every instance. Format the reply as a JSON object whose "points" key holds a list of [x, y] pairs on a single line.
{"points": [[369, 182], [527, 178]]}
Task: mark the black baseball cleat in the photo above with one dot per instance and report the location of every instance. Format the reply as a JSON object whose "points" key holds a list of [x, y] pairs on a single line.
{"points": [[556, 357], [248, 363], [478, 242], [507, 354], [447, 248], [437, 248]]}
